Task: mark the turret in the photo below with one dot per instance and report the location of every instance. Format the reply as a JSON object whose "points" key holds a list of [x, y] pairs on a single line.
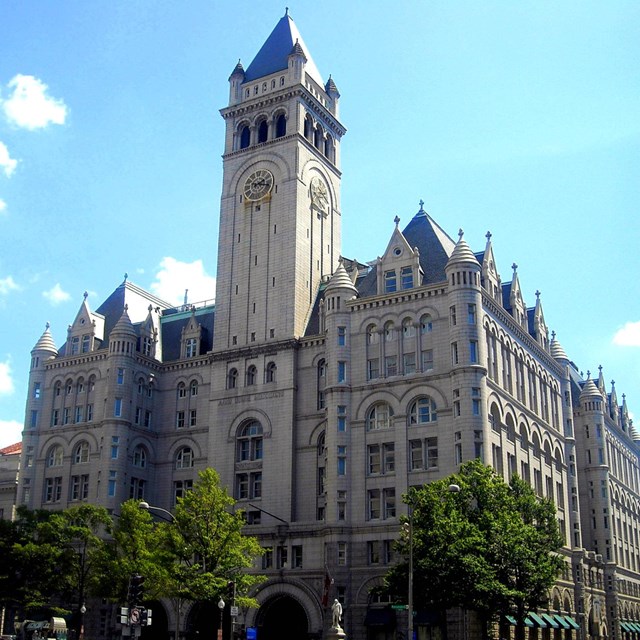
{"points": [[235, 84], [44, 350], [334, 94], [297, 60]]}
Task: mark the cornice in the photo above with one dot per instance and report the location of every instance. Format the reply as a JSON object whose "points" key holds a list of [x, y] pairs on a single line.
{"points": [[269, 348]]}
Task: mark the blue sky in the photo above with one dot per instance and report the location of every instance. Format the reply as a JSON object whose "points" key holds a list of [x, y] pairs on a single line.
{"points": [[522, 118]]}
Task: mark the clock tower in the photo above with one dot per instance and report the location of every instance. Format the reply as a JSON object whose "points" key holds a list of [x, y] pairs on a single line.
{"points": [[280, 206]]}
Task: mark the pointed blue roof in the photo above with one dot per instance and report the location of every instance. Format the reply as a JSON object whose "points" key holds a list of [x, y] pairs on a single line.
{"points": [[274, 54]]}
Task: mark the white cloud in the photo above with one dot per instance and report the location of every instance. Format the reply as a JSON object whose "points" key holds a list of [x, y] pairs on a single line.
{"points": [[56, 294], [6, 381], [7, 163], [10, 432], [30, 107], [628, 335], [3, 205], [175, 276], [7, 285]]}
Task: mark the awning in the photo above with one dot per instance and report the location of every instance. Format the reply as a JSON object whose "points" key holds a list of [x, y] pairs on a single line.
{"points": [[625, 626], [572, 622], [527, 621], [633, 626], [538, 620], [549, 619], [561, 621], [380, 618]]}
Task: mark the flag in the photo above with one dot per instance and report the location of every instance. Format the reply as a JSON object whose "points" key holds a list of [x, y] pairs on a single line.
{"points": [[328, 581]]}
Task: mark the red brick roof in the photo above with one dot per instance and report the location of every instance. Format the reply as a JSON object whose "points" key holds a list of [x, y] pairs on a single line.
{"points": [[11, 449]]}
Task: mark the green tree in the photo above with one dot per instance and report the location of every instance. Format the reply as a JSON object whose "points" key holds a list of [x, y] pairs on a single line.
{"points": [[491, 547]]}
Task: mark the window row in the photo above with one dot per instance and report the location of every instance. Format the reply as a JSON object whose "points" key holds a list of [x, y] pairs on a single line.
{"points": [[263, 130], [394, 366], [408, 329], [251, 376], [78, 489], [423, 410]]}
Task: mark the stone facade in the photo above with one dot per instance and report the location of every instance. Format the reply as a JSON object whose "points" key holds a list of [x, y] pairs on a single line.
{"points": [[321, 389]]}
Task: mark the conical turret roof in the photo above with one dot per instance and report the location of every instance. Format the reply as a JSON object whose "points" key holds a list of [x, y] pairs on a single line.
{"points": [[462, 252], [124, 325], [46, 342], [341, 280], [557, 351], [590, 389]]}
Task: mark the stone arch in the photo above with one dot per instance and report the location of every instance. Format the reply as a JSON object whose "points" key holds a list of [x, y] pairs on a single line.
{"points": [[246, 416]]}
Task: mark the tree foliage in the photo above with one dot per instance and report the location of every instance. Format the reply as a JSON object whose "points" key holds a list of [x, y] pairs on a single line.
{"points": [[490, 547]]}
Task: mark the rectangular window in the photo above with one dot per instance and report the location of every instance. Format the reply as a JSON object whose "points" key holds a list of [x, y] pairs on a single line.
{"points": [[409, 363], [138, 418], [475, 401], [115, 440], [283, 557], [452, 315], [296, 556], [373, 504], [113, 476], [388, 457], [342, 417], [267, 558], [342, 371], [256, 485], [26, 490], [53, 489], [117, 407], [180, 419], [342, 505], [147, 419], [86, 343], [431, 446], [454, 353], [120, 376], [391, 366], [390, 284], [78, 416], [427, 360], [373, 459], [471, 313], [242, 486], [66, 415], [191, 348], [406, 278], [416, 461], [473, 351], [342, 554], [75, 345], [342, 460], [457, 437], [373, 552], [342, 336], [89, 412], [373, 368], [180, 487], [36, 391], [193, 418], [34, 419], [389, 501], [55, 418]]}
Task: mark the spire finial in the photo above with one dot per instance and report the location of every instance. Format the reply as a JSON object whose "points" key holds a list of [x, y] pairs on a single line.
{"points": [[488, 236], [421, 203], [126, 275], [553, 335], [286, 11], [397, 220], [588, 374], [460, 234], [600, 368], [537, 294], [126, 307], [46, 326], [514, 266], [613, 383], [85, 295]]}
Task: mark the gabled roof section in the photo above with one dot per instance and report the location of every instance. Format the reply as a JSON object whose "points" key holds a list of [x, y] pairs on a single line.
{"points": [[433, 243], [274, 54]]}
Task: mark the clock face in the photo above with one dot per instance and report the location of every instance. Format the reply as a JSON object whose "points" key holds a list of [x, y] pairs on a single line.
{"points": [[258, 185], [319, 194]]}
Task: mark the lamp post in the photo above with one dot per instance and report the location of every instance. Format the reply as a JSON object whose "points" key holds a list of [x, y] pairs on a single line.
{"points": [[452, 488], [83, 610], [221, 607], [145, 506]]}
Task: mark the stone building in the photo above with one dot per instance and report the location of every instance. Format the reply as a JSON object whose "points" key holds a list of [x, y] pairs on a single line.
{"points": [[321, 388]]}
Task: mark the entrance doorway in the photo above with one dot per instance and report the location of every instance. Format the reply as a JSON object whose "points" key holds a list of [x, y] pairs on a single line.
{"points": [[282, 618]]}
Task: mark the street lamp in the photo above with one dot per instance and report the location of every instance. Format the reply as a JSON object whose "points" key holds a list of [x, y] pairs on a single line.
{"points": [[452, 488], [221, 607], [83, 610], [145, 506]]}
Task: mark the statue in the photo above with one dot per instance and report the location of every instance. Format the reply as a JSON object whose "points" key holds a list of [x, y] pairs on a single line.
{"points": [[336, 610]]}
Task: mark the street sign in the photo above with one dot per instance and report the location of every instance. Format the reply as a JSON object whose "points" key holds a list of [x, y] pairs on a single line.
{"points": [[399, 607], [234, 611], [252, 633]]}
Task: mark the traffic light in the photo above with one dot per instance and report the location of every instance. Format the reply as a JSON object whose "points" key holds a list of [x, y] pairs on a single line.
{"points": [[231, 590], [145, 617], [136, 590]]}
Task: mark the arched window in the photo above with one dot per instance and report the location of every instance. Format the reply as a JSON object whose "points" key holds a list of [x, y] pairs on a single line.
{"points": [[250, 442], [81, 453], [251, 375], [318, 137], [328, 148], [423, 411], [92, 384], [524, 438], [184, 458], [536, 445], [270, 372], [408, 330], [511, 428], [263, 131], [389, 332], [547, 454], [372, 334], [182, 390], [281, 126], [193, 388], [140, 457], [245, 137], [308, 128], [57, 390], [69, 387], [80, 386], [232, 379], [55, 456], [426, 324], [379, 416]]}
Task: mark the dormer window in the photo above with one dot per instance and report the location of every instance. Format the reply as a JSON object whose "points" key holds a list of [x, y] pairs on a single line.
{"points": [[191, 348], [406, 278], [75, 345], [390, 282]]}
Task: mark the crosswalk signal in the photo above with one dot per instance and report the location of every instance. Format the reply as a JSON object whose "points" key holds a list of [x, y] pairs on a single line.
{"points": [[145, 617], [136, 590]]}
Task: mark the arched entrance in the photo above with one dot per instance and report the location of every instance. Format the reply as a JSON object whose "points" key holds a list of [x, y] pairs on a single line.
{"points": [[159, 629], [203, 622], [282, 618]]}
